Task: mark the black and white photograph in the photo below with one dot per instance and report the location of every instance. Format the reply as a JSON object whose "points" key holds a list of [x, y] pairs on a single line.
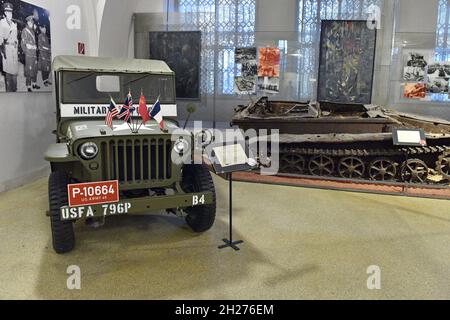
{"points": [[268, 85], [25, 47], [245, 85], [242, 55], [181, 51], [415, 65], [438, 75], [247, 67], [413, 74]]}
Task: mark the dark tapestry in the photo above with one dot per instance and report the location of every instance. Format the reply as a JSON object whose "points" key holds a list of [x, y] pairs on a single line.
{"points": [[181, 51], [346, 63]]}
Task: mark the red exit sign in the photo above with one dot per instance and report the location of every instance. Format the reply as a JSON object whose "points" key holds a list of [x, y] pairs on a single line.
{"points": [[81, 48], [90, 193]]}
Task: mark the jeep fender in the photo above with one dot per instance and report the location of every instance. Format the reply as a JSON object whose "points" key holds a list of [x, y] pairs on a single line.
{"points": [[59, 152]]}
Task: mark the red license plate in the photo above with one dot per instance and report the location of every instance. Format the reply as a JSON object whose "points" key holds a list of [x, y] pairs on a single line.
{"points": [[91, 193]]}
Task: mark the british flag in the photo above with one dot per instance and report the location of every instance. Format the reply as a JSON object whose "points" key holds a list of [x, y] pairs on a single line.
{"points": [[127, 109], [112, 112]]}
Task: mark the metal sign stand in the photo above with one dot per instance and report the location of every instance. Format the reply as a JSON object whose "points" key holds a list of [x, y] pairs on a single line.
{"points": [[228, 171], [229, 242]]}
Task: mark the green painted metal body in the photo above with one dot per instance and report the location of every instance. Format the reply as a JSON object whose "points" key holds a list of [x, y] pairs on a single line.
{"points": [[142, 206], [139, 161]]}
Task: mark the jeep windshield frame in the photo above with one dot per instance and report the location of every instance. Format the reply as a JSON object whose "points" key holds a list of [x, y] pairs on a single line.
{"points": [[79, 87]]}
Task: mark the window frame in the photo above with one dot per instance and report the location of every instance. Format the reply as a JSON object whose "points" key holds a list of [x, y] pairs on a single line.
{"points": [[214, 82]]}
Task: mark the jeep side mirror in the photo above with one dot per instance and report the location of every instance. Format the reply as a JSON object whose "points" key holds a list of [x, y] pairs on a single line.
{"points": [[190, 108]]}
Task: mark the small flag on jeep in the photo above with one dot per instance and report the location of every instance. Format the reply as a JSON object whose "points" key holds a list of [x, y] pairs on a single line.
{"points": [[143, 111], [112, 112], [127, 109], [156, 113]]}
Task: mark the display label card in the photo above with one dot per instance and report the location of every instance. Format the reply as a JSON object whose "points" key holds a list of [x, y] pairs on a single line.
{"points": [[409, 137], [91, 193], [231, 158], [231, 155]]}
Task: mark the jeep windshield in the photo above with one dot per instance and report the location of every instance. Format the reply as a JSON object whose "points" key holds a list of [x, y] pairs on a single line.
{"points": [[83, 87]]}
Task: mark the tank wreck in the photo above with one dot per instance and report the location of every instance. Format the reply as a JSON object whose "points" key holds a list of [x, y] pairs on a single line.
{"points": [[351, 141]]}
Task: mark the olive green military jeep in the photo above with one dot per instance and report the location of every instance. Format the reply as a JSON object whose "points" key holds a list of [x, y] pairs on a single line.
{"points": [[99, 171]]}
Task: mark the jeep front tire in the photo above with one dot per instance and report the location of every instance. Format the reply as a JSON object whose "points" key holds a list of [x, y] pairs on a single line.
{"points": [[63, 236], [196, 178]]}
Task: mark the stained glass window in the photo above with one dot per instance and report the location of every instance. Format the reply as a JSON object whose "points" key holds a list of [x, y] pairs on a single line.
{"points": [[225, 24], [310, 14], [442, 33]]}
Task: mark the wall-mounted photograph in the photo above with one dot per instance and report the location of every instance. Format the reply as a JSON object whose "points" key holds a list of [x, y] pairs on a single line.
{"points": [[438, 75], [268, 85], [25, 48], [414, 91], [245, 60], [269, 62], [415, 65]]}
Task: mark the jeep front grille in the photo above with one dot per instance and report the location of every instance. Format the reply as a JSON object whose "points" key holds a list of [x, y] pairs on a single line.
{"points": [[137, 160]]}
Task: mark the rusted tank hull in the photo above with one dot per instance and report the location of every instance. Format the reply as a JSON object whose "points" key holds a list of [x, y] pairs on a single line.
{"points": [[350, 141], [317, 126]]}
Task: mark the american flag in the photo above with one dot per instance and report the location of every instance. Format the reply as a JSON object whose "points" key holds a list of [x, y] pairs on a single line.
{"points": [[127, 109], [112, 112]]}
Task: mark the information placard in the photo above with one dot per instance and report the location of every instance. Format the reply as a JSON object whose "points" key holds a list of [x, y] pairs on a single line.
{"points": [[230, 158], [409, 137]]}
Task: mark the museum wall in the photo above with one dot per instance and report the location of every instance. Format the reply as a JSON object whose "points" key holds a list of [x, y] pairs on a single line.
{"points": [[29, 119]]}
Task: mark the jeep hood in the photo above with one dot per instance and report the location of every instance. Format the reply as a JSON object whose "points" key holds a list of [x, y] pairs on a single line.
{"points": [[92, 129]]}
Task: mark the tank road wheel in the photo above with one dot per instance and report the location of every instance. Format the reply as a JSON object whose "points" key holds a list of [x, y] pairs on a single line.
{"points": [[351, 167], [293, 163], [382, 169], [443, 165], [321, 166], [414, 170], [62, 231], [196, 178]]}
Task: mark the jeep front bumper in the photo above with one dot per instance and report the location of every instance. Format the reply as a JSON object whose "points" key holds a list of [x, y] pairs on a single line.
{"points": [[137, 206]]}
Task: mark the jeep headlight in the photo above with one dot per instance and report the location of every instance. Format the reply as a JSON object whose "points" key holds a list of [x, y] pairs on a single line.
{"points": [[181, 146], [88, 150]]}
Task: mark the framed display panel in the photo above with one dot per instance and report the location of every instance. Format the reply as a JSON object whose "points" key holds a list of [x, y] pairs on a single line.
{"points": [[346, 61], [409, 137], [181, 51]]}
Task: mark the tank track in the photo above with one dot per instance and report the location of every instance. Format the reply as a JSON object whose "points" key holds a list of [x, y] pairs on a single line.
{"points": [[402, 164]]}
